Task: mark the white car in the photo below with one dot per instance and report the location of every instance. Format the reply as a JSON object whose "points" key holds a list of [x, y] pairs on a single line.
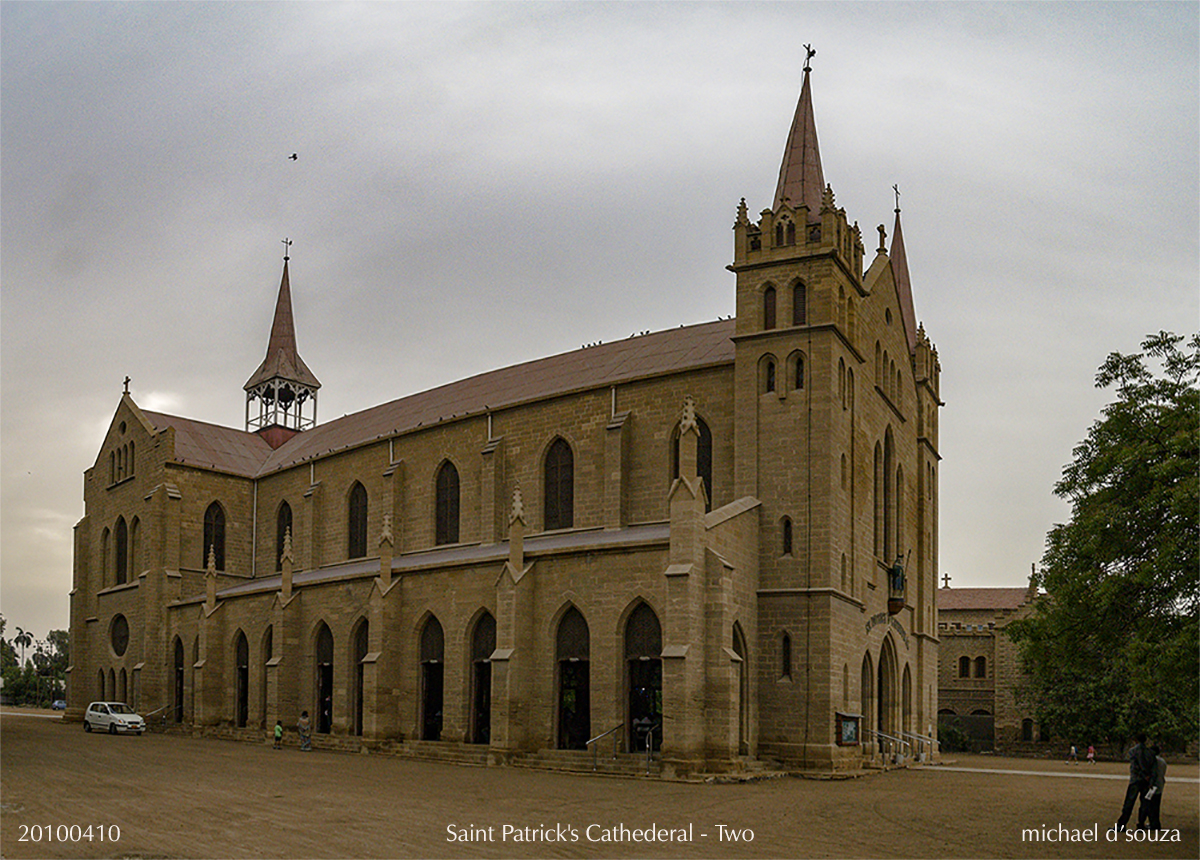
{"points": [[113, 716]]}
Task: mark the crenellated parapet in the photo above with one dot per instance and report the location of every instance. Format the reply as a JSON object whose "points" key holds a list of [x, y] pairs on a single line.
{"points": [[792, 232]]}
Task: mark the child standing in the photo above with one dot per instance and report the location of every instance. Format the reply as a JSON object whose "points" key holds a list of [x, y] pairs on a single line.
{"points": [[1091, 754], [278, 734]]}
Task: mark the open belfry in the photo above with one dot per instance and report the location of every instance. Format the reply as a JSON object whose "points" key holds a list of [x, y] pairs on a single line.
{"points": [[718, 540]]}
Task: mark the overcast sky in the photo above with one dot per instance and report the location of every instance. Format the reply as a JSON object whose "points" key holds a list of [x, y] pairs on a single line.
{"points": [[523, 179]]}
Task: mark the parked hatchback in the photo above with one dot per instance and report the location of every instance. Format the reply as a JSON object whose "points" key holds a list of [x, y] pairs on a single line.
{"points": [[113, 717], [59, 705]]}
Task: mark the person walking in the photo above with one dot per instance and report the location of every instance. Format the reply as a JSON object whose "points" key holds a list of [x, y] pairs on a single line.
{"points": [[1091, 754], [1072, 756], [304, 728], [279, 734], [1149, 813], [1141, 771]]}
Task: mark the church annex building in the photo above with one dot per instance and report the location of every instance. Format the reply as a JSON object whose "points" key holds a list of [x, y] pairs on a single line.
{"points": [[719, 539]]}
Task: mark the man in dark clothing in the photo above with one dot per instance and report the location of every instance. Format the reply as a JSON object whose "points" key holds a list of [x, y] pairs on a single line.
{"points": [[1141, 775]]}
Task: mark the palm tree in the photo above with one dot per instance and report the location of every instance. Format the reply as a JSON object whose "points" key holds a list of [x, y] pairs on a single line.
{"points": [[23, 639]]}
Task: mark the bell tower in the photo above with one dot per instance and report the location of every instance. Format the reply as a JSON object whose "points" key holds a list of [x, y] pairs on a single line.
{"points": [[281, 396]]}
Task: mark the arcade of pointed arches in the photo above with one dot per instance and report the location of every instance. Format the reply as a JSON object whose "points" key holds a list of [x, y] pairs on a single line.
{"points": [[638, 635]]}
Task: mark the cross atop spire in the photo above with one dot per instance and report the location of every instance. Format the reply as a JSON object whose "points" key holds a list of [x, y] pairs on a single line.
{"points": [[801, 180]]}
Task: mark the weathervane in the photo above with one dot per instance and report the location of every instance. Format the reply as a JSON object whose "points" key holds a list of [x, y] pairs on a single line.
{"points": [[287, 247], [808, 57]]}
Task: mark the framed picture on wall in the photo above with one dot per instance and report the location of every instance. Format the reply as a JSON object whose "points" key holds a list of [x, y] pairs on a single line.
{"points": [[847, 729]]}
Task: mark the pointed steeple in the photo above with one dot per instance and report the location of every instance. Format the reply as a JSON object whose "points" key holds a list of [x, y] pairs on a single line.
{"points": [[801, 180], [903, 286], [283, 360], [283, 384]]}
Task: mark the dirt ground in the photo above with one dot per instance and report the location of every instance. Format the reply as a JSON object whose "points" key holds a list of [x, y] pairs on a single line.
{"points": [[180, 797]]}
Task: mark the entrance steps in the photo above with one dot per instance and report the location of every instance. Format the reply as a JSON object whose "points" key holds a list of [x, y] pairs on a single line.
{"points": [[629, 765], [438, 751]]}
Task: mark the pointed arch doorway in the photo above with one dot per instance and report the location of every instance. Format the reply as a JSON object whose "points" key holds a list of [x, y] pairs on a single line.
{"points": [[243, 680], [483, 643], [432, 679], [643, 661], [574, 681], [178, 681], [324, 680], [885, 703]]}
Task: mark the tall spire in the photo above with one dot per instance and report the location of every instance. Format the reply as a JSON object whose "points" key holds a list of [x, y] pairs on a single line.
{"points": [[283, 384], [903, 285], [801, 180]]}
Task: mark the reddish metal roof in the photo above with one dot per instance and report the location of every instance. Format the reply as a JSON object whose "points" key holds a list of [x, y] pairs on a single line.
{"points": [[672, 351], [198, 443], [981, 598]]}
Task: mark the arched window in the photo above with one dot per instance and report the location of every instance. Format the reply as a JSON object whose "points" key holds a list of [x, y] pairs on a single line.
{"points": [[122, 551], [799, 305], [560, 486], [135, 539], [785, 656], [357, 522], [283, 525], [798, 372], [446, 515], [769, 308], [769, 376], [791, 232], [964, 667], [214, 535], [779, 234], [981, 667], [842, 381], [877, 500], [704, 450], [786, 536]]}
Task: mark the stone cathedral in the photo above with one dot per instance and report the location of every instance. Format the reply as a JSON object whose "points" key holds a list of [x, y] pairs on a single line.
{"points": [[717, 541]]}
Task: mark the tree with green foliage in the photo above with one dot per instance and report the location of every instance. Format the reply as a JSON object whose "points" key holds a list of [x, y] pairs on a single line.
{"points": [[1111, 648]]}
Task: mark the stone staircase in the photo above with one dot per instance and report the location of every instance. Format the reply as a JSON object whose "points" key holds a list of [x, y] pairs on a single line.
{"points": [[628, 765], [436, 751]]}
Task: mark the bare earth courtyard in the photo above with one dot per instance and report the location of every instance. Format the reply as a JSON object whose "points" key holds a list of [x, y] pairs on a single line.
{"points": [[178, 797]]}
